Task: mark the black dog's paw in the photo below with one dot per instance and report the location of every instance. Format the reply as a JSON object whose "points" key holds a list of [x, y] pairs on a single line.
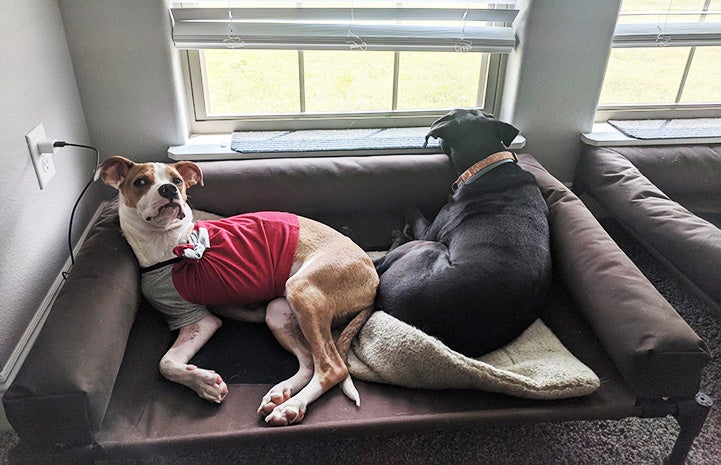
{"points": [[407, 232], [413, 214], [398, 235], [348, 232], [399, 238], [416, 224]]}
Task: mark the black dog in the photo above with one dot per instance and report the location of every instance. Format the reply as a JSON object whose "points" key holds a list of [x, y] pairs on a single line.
{"points": [[475, 277]]}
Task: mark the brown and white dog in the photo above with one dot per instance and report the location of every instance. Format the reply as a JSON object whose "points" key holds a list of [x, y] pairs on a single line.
{"points": [[331, 282]]}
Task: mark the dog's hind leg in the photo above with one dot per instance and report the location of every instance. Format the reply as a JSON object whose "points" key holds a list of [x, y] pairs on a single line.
{"points": [[313, 311], [281, 321], [328, 291], [334, 283]]}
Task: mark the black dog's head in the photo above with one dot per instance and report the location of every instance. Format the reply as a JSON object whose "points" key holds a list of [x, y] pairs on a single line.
{"points": [[468, 136]]}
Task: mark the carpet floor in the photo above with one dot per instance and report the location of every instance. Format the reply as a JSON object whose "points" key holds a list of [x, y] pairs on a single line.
{"points": [[626, 442]]}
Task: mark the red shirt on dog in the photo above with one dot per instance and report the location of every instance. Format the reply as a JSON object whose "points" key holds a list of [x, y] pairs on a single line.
{"points": [[248, 260], [241, 260]]}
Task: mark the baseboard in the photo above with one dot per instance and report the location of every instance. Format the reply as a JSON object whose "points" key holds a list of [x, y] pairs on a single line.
{"points": [[18, 355]]}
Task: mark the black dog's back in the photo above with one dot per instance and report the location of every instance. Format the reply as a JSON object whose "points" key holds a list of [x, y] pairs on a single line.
{"points": [[475, 278]]}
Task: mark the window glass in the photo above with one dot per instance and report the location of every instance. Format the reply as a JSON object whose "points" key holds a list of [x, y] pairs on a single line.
{"points": [[348, 80], [246, 82], [429, 80], [251, 81], [703, 84], [255, 88], [643, 75]]}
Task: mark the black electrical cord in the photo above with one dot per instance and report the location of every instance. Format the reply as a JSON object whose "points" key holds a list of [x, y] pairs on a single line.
{"points": [[77, 202]]}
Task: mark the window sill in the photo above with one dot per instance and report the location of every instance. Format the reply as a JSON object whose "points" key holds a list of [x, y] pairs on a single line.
{"points": [[605, 135], [209, 147]]}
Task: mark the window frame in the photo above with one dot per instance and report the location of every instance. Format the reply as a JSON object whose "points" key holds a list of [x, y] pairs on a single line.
{"points": [[489, 99], [658, 110]]}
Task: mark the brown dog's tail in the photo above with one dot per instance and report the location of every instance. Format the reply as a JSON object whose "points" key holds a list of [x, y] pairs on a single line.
{"points": [[351, 331]]}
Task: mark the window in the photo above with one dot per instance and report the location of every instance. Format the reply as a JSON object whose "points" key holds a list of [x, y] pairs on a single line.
{"points": [[354, 63], [664, 61]]}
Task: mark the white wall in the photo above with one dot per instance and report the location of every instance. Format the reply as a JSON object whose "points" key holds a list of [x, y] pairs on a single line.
{"points": [[128, 74], [37, 85], [553, 78]]}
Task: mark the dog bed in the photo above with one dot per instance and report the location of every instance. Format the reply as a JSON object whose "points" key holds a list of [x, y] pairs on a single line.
{"points": [[90, 388], [669, 198], [535, 365]]}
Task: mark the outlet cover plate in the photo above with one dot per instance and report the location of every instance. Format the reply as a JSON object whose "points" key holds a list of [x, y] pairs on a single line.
{"points": [[43, 162]]}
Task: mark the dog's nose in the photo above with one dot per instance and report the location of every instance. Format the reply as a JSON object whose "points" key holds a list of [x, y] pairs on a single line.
{"points": [[169, 191]]}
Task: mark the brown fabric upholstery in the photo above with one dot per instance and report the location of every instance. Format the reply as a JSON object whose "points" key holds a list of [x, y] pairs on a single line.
{"points": [[615, 298], [600, 308], [366, 194], [62, 391], [672, 231], [688, 174]]}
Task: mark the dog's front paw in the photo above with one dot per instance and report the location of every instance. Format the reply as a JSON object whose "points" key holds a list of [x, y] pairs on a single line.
{"points": [[292, 411], [206, 383]]}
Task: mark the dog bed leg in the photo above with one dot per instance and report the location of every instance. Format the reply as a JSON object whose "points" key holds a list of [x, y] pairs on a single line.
{"points": [[691, 415]]}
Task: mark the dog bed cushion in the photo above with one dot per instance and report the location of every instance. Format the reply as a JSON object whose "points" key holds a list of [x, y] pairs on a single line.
{"points": [[669, 198], [536, 365]]}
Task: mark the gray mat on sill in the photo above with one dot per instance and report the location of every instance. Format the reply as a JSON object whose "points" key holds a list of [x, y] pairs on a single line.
{"points": [[686, 128], [332, 140]]}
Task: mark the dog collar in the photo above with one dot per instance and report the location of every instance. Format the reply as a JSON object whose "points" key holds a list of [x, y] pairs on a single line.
{"points": [[483, 167]]}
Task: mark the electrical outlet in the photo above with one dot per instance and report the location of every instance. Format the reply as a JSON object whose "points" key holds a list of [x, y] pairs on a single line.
{"points": [[43, 162]]}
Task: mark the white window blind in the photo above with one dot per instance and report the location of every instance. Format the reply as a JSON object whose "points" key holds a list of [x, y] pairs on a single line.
{"points": [[355, 24], [668, 29]]}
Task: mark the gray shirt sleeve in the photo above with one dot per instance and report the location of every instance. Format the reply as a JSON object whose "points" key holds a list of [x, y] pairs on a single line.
{"points": [[157, 287]]}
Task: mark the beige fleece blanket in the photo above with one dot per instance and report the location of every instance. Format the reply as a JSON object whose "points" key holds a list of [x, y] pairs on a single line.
{"points": [[535, 365]]}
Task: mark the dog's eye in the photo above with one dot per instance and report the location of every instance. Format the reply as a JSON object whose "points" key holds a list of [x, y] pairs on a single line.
{"points": [[177, 181], [140, 182]]}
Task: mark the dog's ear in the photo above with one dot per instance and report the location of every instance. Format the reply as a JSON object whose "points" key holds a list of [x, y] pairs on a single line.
{"points": [[440, 127], [506, 132], [191, 173], [114, 170]]}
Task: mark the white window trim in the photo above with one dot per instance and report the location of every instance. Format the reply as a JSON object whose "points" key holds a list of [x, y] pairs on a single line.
{"points": [[489, 98]]}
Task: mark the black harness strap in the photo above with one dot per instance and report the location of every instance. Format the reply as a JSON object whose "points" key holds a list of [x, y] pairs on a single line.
{"points": [[159, 265]]}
